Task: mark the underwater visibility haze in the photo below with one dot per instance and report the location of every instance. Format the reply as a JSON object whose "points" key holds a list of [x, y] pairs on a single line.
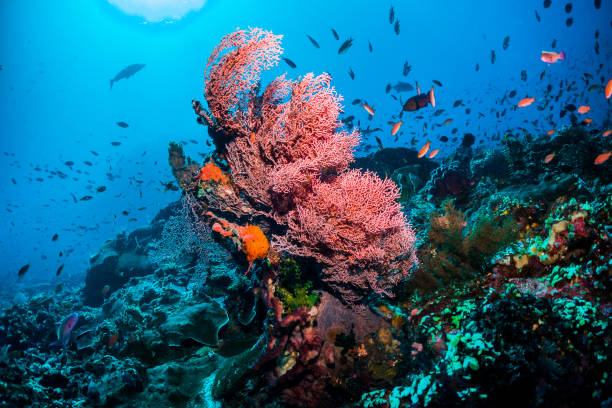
{"points": [[215, 203]]}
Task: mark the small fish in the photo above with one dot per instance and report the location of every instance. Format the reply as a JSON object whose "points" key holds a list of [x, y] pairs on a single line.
{"points": [[554, 43], [549, 158], [597, 4], [22, 271], [396, 128], [477, 67], [420, 100], [457, 103], [608, 90], [86, 198], [493, 58], [370, 46], [345, 46], [122, 125], [94, 153], [406, 69], [584, 109], [570, 107], [368, 108], [547, 3], [356, 102], [524, 75], [126, 72], [602, 158], [607, 133], [59, 270], [506, 43], [88, 163], [551, 57], [434, 153], [569, 22], [586, 122], [446, 122], [351, 73], [313, 41], [568, 8], [289, 62], [65, 330], [512, 94], [435, 81], [444, 139], [403, 87], [336, 36], [537, 16], [551, 132], [423, 150], [101, 189], [525, 102], [379, 142], [116, 143], [396, 27], [54, 237], [391, 15]]}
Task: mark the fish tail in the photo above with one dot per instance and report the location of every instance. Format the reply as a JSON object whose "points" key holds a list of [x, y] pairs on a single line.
{"points": [[562, 56], [432, 97], [111, 84]]}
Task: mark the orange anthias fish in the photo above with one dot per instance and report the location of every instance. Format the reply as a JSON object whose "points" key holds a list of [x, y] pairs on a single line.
{"points": [[447, 121], [423, 150], [607, 133], [549, 158], [396, 127], [551, 132], [368, 108], [602, 158], [609, 89], [551, 57], [525, 102], [586, 121], [584, 109], [434, 153], [420, 100]]}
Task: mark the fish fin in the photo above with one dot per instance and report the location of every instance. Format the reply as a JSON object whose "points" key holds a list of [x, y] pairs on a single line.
{"points": [[562, 56], [432, 98], [418, 89], [111, 84]]}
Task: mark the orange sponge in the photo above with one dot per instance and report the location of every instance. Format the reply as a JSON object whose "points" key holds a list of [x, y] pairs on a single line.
{"points": [[254, 242]]}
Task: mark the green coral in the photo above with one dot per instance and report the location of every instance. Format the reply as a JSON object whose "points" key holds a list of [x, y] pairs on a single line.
{"points": [[293, 290]]}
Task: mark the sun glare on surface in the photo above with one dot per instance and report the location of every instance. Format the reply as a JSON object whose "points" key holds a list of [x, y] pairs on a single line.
{"points": [[155, 11]]}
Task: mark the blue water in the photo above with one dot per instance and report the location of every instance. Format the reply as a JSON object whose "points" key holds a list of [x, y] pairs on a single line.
{"points": [[55, 103]]}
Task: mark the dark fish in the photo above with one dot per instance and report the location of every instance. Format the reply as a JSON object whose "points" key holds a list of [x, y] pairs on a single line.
{"points": [[537, 16], [512, 94], [547, 3], [59, 270], [524, 75], [289, 62], [116, 143], [457, 103], [122, 124], [402, 87], [356, 102], [391, 15], [345, 46], [86, 198], [597, 47], [313, 41], [493, 58], [380, 145], [142, 208], [396, 27], [388, 88], [435, 81], [597, 4], [420, 100], [54, 237], [477, 67], [94, 153], [133, 219], [406, 69], [506, 42], [23, 270], [125, 212], [571, 107], [87, 163], [444, 139], [568, 8], [468, 140], [351, 73], [65, 330], [596, 33], [336, 36], [69, 163], [569, 22], [370, 46], [101, 189], [14, 181], [554, 43], [126, 72]]}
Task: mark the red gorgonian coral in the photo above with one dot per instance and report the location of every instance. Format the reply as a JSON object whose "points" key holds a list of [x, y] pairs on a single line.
{"points": [[290, 160]]}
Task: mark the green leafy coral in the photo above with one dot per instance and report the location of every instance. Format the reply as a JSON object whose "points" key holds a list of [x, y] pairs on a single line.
{"points": [[293, 290]]}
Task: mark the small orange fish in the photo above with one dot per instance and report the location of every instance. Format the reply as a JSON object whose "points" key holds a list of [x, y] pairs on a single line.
{"points": [[396, 127], [607, 133], [586, 121], [549, 158], [368, 108], [113, 340], [551, 132], [609, 89], [434, 153], [525, 102], [447, 121], [602, 158], [551, 57], [252, 137], [584, 109], [423, 150]]}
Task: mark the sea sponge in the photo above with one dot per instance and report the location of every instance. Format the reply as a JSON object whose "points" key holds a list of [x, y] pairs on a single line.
{"points": [[212, 172], [254, 243]]}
